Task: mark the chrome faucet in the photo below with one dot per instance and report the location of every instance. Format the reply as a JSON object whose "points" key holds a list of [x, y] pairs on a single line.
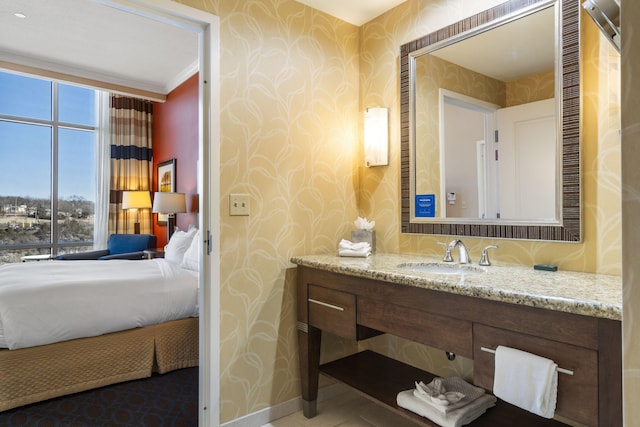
{"points": [[463, 257], [484, 259]]}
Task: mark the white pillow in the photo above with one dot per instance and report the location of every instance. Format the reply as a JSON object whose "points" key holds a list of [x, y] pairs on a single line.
{"points": [[178, 245], [191, 259]]}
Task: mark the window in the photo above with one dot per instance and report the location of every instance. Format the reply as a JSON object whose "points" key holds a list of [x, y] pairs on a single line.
{"points": [[48, 137]]}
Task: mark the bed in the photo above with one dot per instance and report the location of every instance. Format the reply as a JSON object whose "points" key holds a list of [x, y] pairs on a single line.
{"points": [[67, 327]]}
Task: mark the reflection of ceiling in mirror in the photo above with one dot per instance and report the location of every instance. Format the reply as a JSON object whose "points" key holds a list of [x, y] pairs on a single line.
{"points": [[518, 49]]}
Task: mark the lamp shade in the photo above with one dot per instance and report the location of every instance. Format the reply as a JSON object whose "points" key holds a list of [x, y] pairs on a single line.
{"points": [[169, 203], [136, 200]]}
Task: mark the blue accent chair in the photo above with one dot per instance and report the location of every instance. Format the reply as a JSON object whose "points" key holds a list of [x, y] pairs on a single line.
{"points": [[119, 246]]}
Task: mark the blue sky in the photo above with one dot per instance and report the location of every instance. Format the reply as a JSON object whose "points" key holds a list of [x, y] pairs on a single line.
{"points": [[25, 149]]}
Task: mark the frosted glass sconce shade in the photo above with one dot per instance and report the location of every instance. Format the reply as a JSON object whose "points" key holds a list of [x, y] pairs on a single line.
{"points": [[376, 136]]}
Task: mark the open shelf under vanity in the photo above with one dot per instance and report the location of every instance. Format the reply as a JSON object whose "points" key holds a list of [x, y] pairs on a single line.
{"points": [[381, 378]]}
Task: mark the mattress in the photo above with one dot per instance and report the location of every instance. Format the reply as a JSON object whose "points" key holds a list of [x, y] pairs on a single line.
{"points": [[47, 302]]}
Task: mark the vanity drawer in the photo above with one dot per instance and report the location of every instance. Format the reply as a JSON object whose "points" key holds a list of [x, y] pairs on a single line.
{"points": [[577, 393], [447, 333], [332, 311]]}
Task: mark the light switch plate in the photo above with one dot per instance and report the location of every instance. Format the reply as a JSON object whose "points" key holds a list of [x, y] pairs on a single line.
{"points": [[239, 204]]}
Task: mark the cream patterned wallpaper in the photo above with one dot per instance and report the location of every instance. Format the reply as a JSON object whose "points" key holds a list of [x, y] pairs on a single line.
{"points": [[294, 84], [290, 120], [531, 88]]}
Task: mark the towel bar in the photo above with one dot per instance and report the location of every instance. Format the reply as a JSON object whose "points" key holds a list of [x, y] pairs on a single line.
{"points": [[562, 370]]}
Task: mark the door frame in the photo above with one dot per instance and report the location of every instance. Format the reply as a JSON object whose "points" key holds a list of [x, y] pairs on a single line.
{"points": [[207, 26]]}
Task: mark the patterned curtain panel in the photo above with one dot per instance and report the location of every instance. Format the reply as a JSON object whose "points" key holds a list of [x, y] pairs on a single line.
{"points": [[131, 160]]}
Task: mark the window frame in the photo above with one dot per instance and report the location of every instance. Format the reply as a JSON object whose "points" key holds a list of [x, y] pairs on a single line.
{"points": [[54, 245]]}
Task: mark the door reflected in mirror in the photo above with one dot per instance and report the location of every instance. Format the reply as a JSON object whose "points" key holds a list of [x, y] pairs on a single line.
{"points": [[486, 124]]}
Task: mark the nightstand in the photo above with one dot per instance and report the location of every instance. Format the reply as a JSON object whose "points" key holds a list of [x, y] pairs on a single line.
{"points": [[39, 257], [154, 253]]}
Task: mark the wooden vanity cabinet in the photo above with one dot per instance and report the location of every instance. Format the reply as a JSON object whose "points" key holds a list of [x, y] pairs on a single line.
{"points": [[357, 308]]}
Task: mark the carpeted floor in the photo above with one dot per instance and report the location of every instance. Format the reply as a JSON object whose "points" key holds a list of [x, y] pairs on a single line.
{"points": [[168, 400]]}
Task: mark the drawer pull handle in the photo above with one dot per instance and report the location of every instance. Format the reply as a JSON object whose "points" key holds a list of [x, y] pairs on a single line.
{"points": [[335, 307], [562, 370]]}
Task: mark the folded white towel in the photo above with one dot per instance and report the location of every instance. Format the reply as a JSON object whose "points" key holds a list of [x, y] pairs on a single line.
{"points": [[346, 244], [350, 249], [526, 380], [463, 393], [459, 417], [354, 253]]}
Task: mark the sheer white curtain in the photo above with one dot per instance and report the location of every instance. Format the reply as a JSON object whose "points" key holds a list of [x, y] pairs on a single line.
{"points": [[103, 172]]}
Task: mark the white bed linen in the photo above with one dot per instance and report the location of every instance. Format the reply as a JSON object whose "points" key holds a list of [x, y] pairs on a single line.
{"points": [[51, 301]]}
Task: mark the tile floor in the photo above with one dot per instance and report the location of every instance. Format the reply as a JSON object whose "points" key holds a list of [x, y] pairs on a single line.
{"points": [[346, 409]]}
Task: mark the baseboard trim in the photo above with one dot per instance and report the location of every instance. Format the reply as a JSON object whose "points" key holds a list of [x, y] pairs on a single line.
{"points": [[272, 413]]}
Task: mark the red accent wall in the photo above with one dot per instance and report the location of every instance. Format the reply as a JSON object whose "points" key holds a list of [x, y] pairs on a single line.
{"points": [[175, 136]]}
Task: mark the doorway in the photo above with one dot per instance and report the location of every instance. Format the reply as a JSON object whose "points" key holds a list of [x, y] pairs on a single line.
{"points": [[207, 27], [468, 168]]}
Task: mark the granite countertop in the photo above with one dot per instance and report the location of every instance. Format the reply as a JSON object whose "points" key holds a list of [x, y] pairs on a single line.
{"points": [[587, 294]]}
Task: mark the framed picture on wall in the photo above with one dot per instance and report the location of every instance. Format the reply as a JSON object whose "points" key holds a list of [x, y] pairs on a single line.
{"points": [[166, 179]]}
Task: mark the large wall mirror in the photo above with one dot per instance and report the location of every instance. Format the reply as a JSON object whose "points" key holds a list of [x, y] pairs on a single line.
{"points": [[490, 121]]}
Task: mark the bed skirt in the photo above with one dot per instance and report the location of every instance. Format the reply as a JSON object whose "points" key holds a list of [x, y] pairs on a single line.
{"points": [[38, 373]]}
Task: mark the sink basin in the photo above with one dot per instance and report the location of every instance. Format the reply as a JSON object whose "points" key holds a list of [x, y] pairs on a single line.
{"points": [[436, 268]]}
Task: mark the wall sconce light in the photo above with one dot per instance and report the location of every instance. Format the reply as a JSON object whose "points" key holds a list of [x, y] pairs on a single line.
{"points": [[376, 136], [170, 204], [136, 200]]}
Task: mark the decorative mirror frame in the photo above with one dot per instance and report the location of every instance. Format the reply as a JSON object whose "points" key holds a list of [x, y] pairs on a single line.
{"points": [[570, 229]]}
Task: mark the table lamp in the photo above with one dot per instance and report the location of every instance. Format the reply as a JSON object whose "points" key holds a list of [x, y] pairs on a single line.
{"points": [[170, 204], [134, 200]]}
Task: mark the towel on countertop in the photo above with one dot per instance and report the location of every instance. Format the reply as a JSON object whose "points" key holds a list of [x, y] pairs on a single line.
{"points": [[437, 393], [526, 380], [350, 249], [456, 418]]}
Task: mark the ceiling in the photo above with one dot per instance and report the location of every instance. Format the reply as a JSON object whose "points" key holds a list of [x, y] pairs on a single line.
{"points": [[94, 41], [91, 40], [509, 52], [356, 12]]}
